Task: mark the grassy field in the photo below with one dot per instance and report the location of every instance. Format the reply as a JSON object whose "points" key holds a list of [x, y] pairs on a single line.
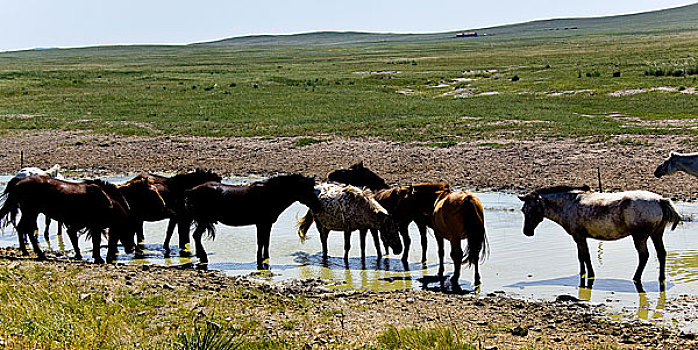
{"points": [[538, 83]]}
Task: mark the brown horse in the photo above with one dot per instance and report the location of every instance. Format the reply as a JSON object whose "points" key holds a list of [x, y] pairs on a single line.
{"points": [[172, 191], [259, 204], [94, 206], [406, 204], [459, 215]]}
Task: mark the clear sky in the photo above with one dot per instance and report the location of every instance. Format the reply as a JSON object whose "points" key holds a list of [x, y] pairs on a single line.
{"points": [[28, 24]]}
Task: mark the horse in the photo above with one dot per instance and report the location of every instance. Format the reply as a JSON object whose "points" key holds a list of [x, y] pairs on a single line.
{"points": [[172, 191], [418, 208], [258, 203], [686, 162], [604, 216], [91, 205], [459, 215], [348, 208], [54, 172]]}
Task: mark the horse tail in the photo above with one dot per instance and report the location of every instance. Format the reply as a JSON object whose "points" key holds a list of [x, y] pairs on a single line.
{"points": [[477, 238], [669, 213], [192, 210], [303, 225], [9, 207], [210, 227]]}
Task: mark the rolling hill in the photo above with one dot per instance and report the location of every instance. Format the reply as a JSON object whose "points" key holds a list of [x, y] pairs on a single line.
{"points": [[677, 19]]}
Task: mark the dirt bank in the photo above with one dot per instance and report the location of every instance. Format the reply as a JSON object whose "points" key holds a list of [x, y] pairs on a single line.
{"points": [[305, 312], [625, 163]]}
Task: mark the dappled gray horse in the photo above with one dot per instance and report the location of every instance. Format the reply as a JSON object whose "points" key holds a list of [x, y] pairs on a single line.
{"points": [[605, 216], [686, 162], [347, 209]]}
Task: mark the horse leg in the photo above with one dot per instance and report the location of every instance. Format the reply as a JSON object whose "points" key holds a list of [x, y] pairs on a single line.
{"points": [[440, 246], [113, 248], [362, 242], [168, 235], [140, 240], [405, 233], [324, 233], [27, 227], [643, 255], [183, 226], [200, 252], [347, 245], [263, 235], [46, 228], [73, 235], [423, 235], [457, 257], [96, 245], [584, 260], [377, 244], [661, 255]]}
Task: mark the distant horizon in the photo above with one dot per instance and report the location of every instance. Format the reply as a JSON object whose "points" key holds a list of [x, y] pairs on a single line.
{"points": [[113, 25]]}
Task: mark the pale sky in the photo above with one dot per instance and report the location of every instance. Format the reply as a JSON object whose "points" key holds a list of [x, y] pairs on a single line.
{"points": [[26, 24]]}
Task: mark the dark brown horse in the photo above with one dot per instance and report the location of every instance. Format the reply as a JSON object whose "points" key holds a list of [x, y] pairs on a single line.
{"points": [[93, 206], [406, 204], [459, 215], [172, 191], [259, 204]]}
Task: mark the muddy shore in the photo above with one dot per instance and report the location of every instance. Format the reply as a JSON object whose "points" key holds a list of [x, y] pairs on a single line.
{"points": [[626, 163], [358, 318]]}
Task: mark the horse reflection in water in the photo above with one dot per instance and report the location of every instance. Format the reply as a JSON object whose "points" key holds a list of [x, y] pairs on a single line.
{"points": [[347, 209], [606, 216]]}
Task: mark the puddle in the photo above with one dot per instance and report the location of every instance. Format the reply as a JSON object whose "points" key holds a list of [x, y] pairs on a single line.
{"points": [[541, 267]]}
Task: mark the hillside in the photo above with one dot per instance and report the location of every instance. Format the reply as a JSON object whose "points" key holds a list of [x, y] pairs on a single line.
{"points": [[662, 21]]}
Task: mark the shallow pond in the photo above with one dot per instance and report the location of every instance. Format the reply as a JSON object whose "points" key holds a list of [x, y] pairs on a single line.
{"points": [[539, 267]]}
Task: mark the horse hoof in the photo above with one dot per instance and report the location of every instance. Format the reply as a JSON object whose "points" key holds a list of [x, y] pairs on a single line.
{"points": [[184, 254], [99, 261], [41, 257], [77, 257], [139, 254]]}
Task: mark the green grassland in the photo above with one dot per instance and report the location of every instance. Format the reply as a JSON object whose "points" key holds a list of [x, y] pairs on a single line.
{"points": [[538, 79]]}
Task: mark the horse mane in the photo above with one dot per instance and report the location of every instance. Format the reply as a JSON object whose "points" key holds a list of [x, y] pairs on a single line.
{"points": [[111, 190], [559, 189], [365, 194], [181, 182]]}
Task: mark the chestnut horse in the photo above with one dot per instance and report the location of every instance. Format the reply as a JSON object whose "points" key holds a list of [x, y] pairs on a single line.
{"points": [[459, 215], [605, 216], [92, 205], [258, 203], [406, 204], [172, 191]]}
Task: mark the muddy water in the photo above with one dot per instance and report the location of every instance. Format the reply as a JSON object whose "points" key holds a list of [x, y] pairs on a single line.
{"points": [[541, 267]]}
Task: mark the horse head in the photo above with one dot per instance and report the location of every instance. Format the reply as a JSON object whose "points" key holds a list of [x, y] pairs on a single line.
{"points": [[304, 190], [358, 175], [143, 196], [534, 212], [389, 233], [668, 167]]}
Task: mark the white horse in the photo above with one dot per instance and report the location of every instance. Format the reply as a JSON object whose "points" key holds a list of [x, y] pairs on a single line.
{"points": [[53, 172], [605, 216], [348, 208], [686, 162]]}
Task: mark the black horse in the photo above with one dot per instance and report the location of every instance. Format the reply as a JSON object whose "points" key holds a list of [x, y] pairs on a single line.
{"points": [[258, 204], [172, 191]]}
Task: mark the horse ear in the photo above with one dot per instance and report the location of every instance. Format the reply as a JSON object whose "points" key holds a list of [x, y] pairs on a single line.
{"points": [[672, 154], [360, 164]]}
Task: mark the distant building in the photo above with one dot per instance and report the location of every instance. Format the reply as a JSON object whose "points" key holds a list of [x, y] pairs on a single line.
{"points": [[466, 35]]}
